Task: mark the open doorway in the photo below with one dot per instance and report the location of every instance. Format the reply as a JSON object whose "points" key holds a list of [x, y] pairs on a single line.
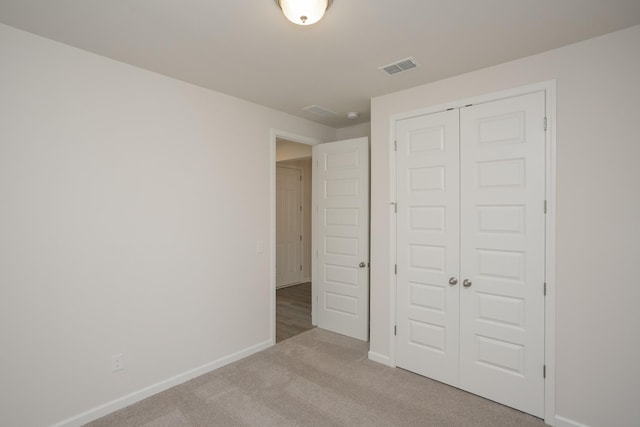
{"points": [[293, 238]]}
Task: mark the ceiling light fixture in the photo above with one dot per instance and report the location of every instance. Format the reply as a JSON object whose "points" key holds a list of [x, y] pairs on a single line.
{"points": [[304, 12]]}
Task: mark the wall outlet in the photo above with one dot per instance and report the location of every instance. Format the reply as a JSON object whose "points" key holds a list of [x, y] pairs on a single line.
{"points": [[117, 362]]}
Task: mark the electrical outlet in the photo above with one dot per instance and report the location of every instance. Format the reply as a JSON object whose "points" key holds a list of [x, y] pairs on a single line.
{"points": [[117, 362]]}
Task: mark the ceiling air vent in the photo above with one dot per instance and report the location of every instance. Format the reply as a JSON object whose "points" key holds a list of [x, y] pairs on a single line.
{"points": [[320, 111], [399, 66]]}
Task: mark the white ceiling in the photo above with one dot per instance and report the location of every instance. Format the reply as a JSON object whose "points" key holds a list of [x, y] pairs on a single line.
{"points": [[247, 49]]}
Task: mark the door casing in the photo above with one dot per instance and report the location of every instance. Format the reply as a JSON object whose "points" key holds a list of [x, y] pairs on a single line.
{"points": [[275, 134], [549, 87]]}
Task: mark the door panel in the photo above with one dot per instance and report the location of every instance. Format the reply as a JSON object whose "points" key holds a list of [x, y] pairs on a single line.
{"points": [[341, 236], [428, 245], [502, 251], [288, 226]]}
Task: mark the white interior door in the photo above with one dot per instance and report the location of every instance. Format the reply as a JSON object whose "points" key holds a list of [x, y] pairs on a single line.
{"points": [[471, 246], [341, 236], [288, 226], [502, 251], [428, 212]]}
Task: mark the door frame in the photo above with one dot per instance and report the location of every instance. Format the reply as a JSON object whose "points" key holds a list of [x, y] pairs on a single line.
{"points": [[275, 133], [549, 87]]}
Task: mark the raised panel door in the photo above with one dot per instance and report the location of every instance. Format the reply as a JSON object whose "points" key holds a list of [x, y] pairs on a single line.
{"points": [[427, 245], [341, 236], [502, 251]]}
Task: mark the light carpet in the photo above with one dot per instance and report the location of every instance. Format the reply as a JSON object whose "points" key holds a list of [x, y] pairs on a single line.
{"points": [[317, 378]]}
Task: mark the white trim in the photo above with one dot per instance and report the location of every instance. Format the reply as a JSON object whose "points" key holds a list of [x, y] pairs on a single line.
{"points": [[550, 260], [566, 422], [275, 133], [293, 137], [136, 396], [393, 199], [380, 358], [549, 87]]}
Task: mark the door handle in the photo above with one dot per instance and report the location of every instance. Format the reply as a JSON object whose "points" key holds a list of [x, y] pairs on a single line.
{"points": [[453, 281], [466, 283], [363, 264]]}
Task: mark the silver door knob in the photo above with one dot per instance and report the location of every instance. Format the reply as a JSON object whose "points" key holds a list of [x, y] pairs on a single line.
{"points": [[466, 283], [363, 264], [453, 281]]}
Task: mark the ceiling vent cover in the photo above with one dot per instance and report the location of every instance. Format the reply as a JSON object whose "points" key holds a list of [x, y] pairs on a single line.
{"points": [[399, 66], [320, 111]]}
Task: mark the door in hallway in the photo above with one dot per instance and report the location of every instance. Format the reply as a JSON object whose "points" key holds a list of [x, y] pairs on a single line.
{"points": [[288, 226]]}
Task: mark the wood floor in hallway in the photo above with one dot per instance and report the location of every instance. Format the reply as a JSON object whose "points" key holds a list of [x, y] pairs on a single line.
{"points": [[293, 311]]}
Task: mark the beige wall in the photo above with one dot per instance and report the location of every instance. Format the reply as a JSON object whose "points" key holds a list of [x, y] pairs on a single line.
{"points": [[598, 216], [287, 150], [305, 166], [131, 209]]}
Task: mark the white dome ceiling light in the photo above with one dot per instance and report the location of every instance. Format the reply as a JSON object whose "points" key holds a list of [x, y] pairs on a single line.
{"points": [[304, 12]]}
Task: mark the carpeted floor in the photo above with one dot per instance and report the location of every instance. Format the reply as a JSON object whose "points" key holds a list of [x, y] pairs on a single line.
{"points": [[317, 378]]}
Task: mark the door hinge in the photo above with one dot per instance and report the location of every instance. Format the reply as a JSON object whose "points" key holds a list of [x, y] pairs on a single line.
{"points": [[545, 289], [300, 178], [301, 237], [300, 208], [544, 371], [545, 123], [395, 269], [395, 145], [300, 268], [395, 330], [545, 206]]}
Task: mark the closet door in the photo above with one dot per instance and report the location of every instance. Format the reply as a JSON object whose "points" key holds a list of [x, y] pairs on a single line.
{"points": [[428, 245], [502, 251]]}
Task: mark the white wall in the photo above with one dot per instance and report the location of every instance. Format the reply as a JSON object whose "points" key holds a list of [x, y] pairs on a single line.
{"points": [[131, 204], [355, 131], [598, 215]]}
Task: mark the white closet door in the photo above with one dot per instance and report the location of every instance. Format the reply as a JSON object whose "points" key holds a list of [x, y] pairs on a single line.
{"points": [[502, 251], [428, 245], [341, 236]]}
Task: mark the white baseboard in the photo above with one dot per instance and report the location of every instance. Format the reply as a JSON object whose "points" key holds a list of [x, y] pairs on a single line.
{"points": [[566, 422], [377, 357], [136, 396]]}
